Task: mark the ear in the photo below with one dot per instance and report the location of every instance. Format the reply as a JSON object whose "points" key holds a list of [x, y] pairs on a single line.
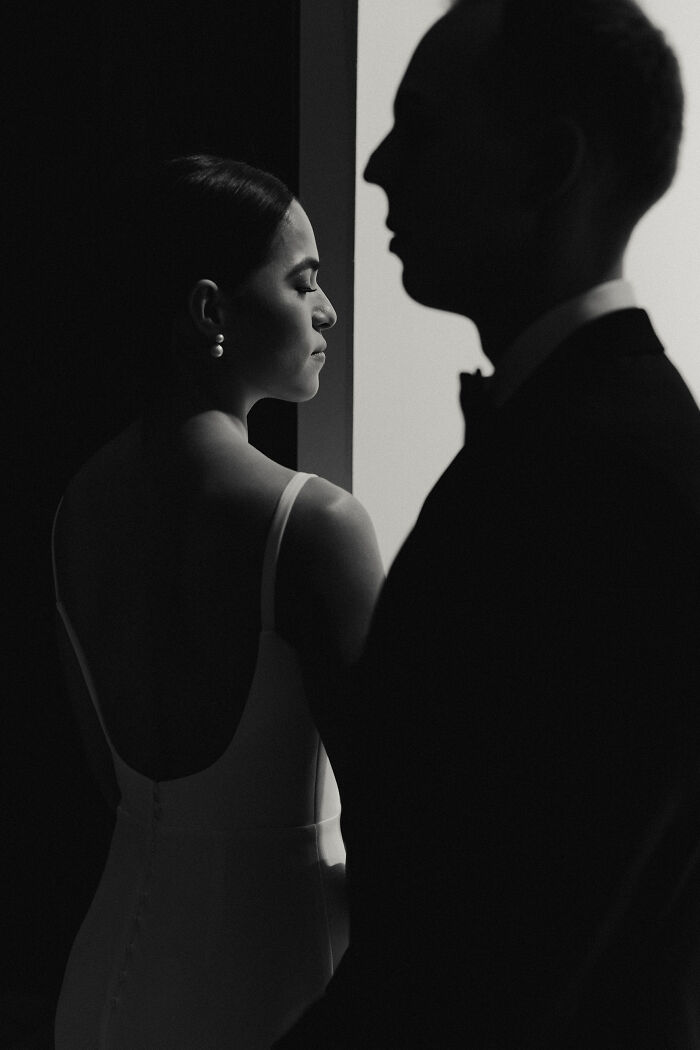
{"points": [[557, 157], [205, 308]]}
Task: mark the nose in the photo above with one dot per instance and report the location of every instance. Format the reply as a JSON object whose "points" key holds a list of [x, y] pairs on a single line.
{"points": [[376, 168], [326, 316]]}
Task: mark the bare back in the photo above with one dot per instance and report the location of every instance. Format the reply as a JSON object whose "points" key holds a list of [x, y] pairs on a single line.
{"points": [[159, 550]]}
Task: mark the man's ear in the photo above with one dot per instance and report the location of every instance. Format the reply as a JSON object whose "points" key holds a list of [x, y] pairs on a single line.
{"points": [[205, 308], [557, 157]]}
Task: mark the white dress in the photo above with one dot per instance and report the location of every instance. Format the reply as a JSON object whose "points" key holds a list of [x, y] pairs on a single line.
{"points": [[220, 914]]}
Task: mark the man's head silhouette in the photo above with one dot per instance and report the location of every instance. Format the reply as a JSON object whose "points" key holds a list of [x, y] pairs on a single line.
{"points": [[529, 138]]}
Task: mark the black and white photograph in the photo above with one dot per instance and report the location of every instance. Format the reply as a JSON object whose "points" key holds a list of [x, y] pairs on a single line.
{"points": [[353, 692]]}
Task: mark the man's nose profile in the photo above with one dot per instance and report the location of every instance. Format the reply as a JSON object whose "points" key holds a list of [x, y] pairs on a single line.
{"points": [[522, 826]]}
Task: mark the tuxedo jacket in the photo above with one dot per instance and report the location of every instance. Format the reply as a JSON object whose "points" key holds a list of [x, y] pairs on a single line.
{"points": [[521, 779]]}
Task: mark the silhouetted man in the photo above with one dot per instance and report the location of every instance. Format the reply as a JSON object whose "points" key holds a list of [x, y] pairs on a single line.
{"points": [[523, 821]]}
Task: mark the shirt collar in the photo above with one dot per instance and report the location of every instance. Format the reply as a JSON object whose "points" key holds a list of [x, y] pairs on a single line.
{"points": [[543, 336]]}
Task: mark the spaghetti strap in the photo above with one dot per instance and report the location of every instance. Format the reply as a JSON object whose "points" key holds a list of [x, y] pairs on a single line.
{"points": [[273, 546], [72, 636], [53, 550], [221, 904]]}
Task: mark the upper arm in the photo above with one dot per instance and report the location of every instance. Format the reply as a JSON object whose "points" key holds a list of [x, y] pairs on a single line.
{"points": [[330, 574], [329, 577]]}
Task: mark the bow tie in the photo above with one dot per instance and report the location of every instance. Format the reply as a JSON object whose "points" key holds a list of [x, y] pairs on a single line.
{"points": [[476, 398]]}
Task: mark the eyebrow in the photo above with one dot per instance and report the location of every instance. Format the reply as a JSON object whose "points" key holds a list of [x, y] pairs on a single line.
{"points": [[306, 264]]}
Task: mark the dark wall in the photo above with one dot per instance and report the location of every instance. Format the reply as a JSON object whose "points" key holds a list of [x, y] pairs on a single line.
{"points": [[128, 84], [99, 85]]}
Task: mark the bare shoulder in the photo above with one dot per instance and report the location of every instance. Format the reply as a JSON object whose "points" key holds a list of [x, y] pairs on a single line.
{"points": [[326, 516], [330, 574], [235, 475], [227, 472]]}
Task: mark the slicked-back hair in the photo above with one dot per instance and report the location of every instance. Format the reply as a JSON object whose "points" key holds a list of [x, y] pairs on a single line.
{"points": [[212, 217], [603, 64], [167, 226], [163, 227]]}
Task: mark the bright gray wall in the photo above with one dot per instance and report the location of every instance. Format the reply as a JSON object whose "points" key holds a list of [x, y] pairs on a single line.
{"points": [[407, 424]]}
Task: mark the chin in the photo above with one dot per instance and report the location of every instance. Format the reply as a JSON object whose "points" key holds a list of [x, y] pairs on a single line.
{"points": [[420, 290], [304, 393]]}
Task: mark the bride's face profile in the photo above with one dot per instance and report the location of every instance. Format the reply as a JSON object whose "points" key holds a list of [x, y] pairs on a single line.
{"points": [[277, 317]]}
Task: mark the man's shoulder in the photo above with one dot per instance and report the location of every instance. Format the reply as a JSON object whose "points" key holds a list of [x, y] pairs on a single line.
{"points": [[609, 390], [633, 409], [595, 430]]}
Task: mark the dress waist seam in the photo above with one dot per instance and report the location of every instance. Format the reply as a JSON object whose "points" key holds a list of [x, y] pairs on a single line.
{"points": [[242, 830]]}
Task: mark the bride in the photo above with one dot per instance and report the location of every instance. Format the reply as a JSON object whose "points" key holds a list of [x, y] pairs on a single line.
{"points": [[210, 602]]}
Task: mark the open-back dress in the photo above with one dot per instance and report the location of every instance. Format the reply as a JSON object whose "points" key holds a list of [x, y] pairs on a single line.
{"points": [[220, 913]]}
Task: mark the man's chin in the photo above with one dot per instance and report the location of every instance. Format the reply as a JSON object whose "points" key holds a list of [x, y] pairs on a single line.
{"points": [[420, 289]]}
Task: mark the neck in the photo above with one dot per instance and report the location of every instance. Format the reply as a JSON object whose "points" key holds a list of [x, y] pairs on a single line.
{"points": [[232, 403], [183, 401], [514, 312], [202, 384]]}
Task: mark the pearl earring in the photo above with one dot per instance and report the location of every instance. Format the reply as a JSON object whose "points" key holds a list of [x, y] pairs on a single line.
{"points": [[217, 349]]}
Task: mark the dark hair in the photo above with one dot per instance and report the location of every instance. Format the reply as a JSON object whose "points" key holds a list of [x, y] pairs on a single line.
{"points": [[604, 64], [160, 229], [210, 217]]}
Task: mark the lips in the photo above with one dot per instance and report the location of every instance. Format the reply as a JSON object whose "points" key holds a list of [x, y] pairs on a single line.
{"points": [[320, 350], [396, 235]]}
